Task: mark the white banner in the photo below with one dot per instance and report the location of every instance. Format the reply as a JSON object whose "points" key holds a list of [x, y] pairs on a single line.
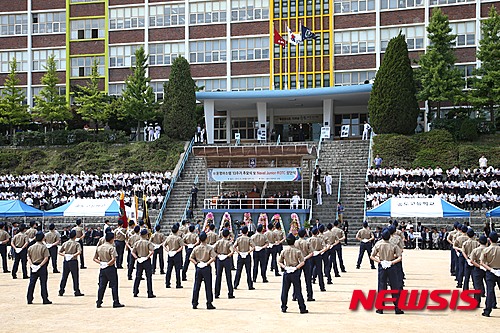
{"points": [[88, 207], [422, 207], [254, 174]]}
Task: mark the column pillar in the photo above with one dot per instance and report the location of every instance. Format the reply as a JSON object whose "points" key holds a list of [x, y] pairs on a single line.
{"points": [[262, 117], [328, 114], [209, 106]]}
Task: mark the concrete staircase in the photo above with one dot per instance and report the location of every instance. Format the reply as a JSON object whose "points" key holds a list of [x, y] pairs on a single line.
{"points": [[350, 158]]}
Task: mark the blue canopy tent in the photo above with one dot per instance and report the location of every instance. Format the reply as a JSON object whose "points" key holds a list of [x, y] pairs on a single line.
{"points": [[87, 207], [417, 207], [17, 208], [495, 212]]}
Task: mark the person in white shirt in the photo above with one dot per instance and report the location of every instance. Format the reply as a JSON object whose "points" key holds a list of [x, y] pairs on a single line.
{"points": [[157, 131], [318, 195], [328, 183], [483, 162], [294, 202], [366, 131]]}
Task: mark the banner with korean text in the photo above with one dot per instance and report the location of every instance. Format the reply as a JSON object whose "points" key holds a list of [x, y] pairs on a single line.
{"points": [[254, 174]]}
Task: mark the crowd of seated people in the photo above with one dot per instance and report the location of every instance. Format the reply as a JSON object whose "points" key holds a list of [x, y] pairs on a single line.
{"points": [[468, 189], [47, 191]]}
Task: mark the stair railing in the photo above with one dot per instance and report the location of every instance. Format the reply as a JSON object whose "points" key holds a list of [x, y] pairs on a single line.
{"points": [[338, 194], [370, 153], [188, 202], [175, 177]]}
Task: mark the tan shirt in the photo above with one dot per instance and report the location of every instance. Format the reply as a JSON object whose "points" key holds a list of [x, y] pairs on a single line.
{"points": [[20, 239], [70, 247], [4, 235], [101, 241], [291, 256], [202, 253], [133, 239], [304, 246], [469, 245], [451, 236], [396, 240], [243, 243], [270, 236], [105, 252], [317, 243], [142, 247], [31, 233], [174, 242], [259, 239], [364, 233], [491, 256], [157, 238], [475, 255], [52, 237], [190, 238], [183, 230], [460, 240], [37, 252], [120, 234], [386, 251], [223, 246], [79, 231], [329, 237], [211, 238], [279, 235], [338, 232]]}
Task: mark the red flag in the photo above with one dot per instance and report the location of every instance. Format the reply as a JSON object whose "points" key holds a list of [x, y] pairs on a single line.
{"points": [[278, 39], [123, 213]]}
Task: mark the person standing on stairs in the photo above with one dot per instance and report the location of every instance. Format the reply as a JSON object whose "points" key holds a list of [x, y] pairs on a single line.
{"points": [[319, 198], [328, 183], [194, 196]]}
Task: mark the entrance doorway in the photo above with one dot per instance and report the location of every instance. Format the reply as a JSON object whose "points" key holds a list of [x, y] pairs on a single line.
{"points": [[294, 132]]}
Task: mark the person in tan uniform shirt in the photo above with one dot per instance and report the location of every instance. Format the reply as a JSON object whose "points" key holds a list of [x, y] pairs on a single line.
{"points": [[365, 236], [337, 249], [385, 253], [291, 261], [70, 250], [79, 238], [211, 235], [135, 237], [457, 245], [142, 252], [490, 259], [397, 241], [259, 254], [190, 241], [303, 245], [467, 247], [202, 257], [478, 272], [174, 245], [224, 250], [105, 255], [52, 240], [158, 240], [20, 244], [38, 258], [4, 240], [244, 246], [120, 239], [270, 244], [183, 229], [453, 259], [318, 246], [331, 240], [278, 237], [31, 232]]}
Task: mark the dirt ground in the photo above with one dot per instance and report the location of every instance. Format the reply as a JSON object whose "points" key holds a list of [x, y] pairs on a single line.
{"points": [[251, 311]]}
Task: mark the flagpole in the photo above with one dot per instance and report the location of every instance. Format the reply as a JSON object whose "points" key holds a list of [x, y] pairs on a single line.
{"points": [[297, 49], [286, 61]]}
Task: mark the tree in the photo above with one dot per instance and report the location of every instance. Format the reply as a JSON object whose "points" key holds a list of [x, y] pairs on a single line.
{"points": [[486, 90], [50, 106], [393, 104], [438, 78], [13, 110], [138, 96], [180, 101], [91, 101]]}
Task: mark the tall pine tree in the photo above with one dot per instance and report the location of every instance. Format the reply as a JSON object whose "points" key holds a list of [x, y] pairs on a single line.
{"points": [[138, 96], [438, 78], [50, 106], [13, 110], [179, 106], [486, 92], [393, 105]]}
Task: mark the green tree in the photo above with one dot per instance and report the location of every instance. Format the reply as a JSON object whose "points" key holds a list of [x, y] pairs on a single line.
{"points": [[438, 78], [138, 96], [393, 104], [13, 110], [91, 101], [50, 106], [486, 92], [179, 106]]}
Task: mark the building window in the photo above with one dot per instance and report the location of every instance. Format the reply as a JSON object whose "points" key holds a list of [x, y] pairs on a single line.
{"points": [[466, 33], [248, 10], [8, 56], [36, 91], [167, 15], [220, 128], [13, 25], [352, 78], [207, 51], [49, 23], [207, 12], [250, 83], [116, 89], [82, 66], [212, 84], [467, 73], [447, 2], [393, 4], [353, 6], [247, 127], [250, 48], [158, 90], [126, 18], [356, 41], [122, 56], [40, 59], [165, 54], [414, 36], [87, 29], [354, 120]]}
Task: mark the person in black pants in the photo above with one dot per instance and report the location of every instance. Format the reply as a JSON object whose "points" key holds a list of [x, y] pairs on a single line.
{"points": [[52, 239], [39, 257], [105, 256], [190, 240], [202, 256], [244, 245], [303, 245], [19, 244], [79, 238], [259, 254], [194, 196], [70, 250], [158, 239], [318, 246], [224, 250], [4, 240], [142, 252], [365, 236], [120, 238], [174, 245]]}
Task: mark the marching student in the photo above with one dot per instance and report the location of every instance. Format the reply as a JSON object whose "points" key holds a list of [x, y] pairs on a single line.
{"points": [[224, 250], [490, 259], [120, 239], [70, 250], [4, 240], [478, 272], [202, 256], [79, 238], [318, 247], [52, 240], [303, 245], [158, 240], [38, 255], [190, 241], [259, 254], [105, 255], [142, 252], [174, 245], [20, 243], [244, 246], [135, 237], [365, 236]]}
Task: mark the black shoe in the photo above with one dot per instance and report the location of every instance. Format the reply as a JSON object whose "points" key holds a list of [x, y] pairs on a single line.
{"points": [[195, 307], [277, 274], [265, 281], [167, 286], [357, 267], [14, 277], [251, 288], [283, 310], [61, 293], [136, 295], [184, 279], [235, 287], [399, 311], [47, 302], [484, 314], [310, 299], [30, 302], [380, 311], [322, 289], [337, 275], [142, 279], [56, 272], [162, 272], [99, 305], [373, 267], [26, 277], [210, 306], [459, 286], [6, 271], [118, 305], [130, 278], [179, 287], [254, 280], [83, 267], [304, 311], [231, 296], [343, 271], [151, 296], [79, 294], [216, 296], [119, 267], [294, 299], [329, 282]]}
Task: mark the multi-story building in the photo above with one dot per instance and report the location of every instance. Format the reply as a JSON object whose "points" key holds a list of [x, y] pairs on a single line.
{"points": [[229, 43]]}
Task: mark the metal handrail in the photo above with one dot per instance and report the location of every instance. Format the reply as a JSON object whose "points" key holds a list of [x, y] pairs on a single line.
{"points": [[254, 203], [173, 181], [370, 153], [338, 194], [188, 202]]}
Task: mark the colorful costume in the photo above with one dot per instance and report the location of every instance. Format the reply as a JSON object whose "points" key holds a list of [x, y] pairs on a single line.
{"points": [[294, 224]]}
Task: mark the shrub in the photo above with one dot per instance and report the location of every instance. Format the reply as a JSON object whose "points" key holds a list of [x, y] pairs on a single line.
{"points": [[468, 130], [395, 150], [9, 159]]}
